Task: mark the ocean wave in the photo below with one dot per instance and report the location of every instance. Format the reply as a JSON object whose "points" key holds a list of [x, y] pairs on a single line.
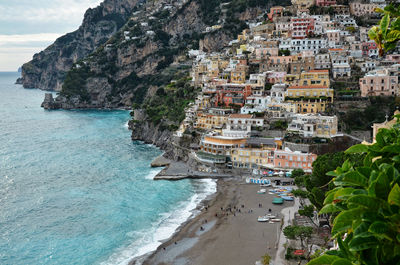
{"points": [[153, 173], [147, 241]]}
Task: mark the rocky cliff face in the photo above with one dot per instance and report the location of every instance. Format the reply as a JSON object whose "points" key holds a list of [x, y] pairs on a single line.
{"points": [[48, 68], [123, 66]]}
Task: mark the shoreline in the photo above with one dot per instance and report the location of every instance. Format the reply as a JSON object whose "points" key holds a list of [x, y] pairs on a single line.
{"points": [[220, 240]]}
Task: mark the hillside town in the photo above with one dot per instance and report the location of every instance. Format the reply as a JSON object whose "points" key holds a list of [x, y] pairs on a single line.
{"points": [[267, 98]]}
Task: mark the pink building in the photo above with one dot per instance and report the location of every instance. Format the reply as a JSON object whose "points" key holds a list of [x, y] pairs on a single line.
{"points": [[276, 77], [369, 48], [325, 2], [301, 27], [380, 82], [287, 160], [275, 11]]}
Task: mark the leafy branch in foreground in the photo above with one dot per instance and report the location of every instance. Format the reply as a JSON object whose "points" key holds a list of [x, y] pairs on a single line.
{"points": [[367, 203], [387, 33]]}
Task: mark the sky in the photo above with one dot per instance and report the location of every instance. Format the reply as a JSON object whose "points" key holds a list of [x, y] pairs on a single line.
{"points": [[29, 26]]}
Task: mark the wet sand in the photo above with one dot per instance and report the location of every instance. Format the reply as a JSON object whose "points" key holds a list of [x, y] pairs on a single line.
{"points": [[217, 237]]}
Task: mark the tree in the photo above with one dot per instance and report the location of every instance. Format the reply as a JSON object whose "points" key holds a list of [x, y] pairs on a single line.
{"points": [[308, 211], [295, 232], [298, 172], [387, 33], [366, 201]]}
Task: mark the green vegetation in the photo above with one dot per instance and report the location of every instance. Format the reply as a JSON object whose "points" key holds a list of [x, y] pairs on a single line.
{"points": [[169, 104], [366, 203], [302, 233], [387, 34], [75, 83]]}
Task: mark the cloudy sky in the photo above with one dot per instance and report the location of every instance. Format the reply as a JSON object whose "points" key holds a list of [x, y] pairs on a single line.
{"points": [[29, 26]]}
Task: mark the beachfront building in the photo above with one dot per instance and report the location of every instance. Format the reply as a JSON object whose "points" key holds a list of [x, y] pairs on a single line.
{"points": [[215, 149], [289, 160], [380, 82], [258, 153], [314, 125]]}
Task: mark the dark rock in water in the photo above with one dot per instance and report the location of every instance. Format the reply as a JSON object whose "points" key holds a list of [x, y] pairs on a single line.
{"points": [[19, 81], [49, 102]]}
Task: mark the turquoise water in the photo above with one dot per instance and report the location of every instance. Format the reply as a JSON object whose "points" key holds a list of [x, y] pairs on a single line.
{"points": [[74, 189]]}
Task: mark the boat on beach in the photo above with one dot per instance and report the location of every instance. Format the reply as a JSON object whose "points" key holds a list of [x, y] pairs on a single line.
{"points": [[277, 201], [263, 218], [262, 191]]}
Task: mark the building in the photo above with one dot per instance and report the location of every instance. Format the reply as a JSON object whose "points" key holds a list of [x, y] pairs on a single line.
{"points": [[315, 77], [360, 9], [322, 61], [215, 149], [208, 121], [240, 125], [325, 2], [310, 99], [289, 160], [301, 27], [302, 4], [341, 67], [312, 125], [274, 12], [380, 82], [258, 153]]}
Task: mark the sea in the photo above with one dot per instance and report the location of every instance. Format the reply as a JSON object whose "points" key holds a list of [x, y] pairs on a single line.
{"points": [[75, 189]]}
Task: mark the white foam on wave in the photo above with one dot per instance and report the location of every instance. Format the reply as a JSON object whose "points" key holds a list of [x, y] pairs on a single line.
{"points": [[153, 173], [148, 241], [126, 125]]}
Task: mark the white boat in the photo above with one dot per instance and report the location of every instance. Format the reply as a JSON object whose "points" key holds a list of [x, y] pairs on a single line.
{"points": [[275, 220], [270, 216], [263, 219], [265, 185], [262, 191]]}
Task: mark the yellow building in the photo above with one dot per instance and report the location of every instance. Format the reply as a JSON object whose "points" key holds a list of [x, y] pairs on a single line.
{"points": [[292, 79], [310, 99], [310, 106], [238, 76], [209, 121], [243, 36], [315, 77], [253, 157]]}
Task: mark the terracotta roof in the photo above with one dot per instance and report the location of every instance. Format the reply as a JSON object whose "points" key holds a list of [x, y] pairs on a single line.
{"points": [[300, 87], [241, 116], [336, 49]]}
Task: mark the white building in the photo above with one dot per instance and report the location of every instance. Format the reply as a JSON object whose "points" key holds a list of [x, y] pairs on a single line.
{"points": [[314, 125], [299, 45], [239, 125]]}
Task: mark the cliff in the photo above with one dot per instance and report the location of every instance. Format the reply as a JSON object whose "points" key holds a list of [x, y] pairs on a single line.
{"points": [[142, 64], [47, 69]]}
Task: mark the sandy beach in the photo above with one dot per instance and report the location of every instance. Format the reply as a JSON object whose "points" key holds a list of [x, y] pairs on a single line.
{"points": [[226, 231]]}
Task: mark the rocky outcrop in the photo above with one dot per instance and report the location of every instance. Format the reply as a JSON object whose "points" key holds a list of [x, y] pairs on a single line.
{"points": [[47, 69]]}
